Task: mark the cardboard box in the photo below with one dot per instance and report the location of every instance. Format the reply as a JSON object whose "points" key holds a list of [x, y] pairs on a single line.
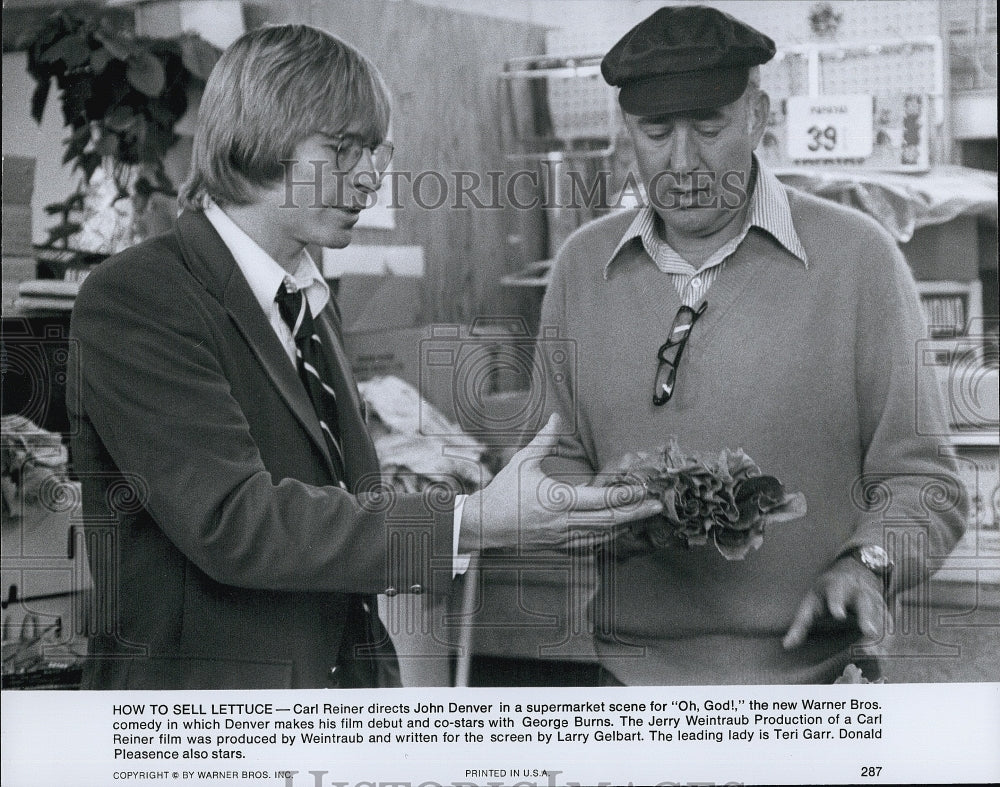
{"points": [[18, 180], [379, 303], [380, 353], [18, 186], [464, 372], [397, 352], [374, 260]]}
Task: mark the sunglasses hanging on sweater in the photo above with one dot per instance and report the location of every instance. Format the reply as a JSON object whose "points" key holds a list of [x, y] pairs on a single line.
{"points": [[670, 352]]}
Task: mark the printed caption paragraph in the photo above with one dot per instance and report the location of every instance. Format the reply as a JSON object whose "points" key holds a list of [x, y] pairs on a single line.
{"points": [[222, 731], [483, 737]]}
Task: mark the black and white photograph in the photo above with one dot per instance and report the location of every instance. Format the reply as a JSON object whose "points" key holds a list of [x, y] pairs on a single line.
{"points": [[540, 392]]}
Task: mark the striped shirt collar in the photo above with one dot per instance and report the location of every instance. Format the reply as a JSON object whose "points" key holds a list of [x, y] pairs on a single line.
{"points": [[768, 211]]}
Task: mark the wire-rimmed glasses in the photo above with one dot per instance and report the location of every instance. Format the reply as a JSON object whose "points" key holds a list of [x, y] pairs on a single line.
{"points": [[351, 147]]}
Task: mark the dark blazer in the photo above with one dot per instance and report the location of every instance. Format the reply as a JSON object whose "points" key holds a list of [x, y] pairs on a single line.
{"points": [[223, 552]]}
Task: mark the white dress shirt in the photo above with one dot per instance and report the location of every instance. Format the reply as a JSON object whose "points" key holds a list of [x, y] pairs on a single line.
{"points": [[265, 276]]}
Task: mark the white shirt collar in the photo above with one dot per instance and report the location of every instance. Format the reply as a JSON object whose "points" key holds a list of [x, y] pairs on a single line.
{"points": [[262, 273]]}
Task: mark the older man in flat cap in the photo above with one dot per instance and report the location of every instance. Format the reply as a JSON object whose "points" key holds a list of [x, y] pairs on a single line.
{"points": [[798, 320]]}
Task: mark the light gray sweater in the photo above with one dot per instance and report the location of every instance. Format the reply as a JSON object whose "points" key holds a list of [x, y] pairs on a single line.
{"points": [[814, 372]]}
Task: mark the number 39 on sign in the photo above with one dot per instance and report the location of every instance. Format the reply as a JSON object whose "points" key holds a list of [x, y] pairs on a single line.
{"points": [[830, 127]]}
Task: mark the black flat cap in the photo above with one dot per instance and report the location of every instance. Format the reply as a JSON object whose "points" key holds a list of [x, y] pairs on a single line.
{"points": [[683, 58]]}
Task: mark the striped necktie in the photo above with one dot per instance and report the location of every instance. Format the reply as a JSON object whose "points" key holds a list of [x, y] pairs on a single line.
{"points": [[314, 370]]}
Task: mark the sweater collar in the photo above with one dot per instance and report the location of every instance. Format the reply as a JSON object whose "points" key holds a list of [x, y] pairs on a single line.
{"points": [[769, 211]]}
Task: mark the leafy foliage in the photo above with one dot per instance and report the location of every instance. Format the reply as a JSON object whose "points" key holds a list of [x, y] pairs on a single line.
{"points": [[121, 99], [722, 499]]}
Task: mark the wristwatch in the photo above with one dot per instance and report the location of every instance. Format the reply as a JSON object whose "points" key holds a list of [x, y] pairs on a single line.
{"points": [[875, 559]]}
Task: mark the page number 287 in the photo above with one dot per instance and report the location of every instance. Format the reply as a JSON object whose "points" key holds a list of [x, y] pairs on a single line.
{"points": [[871, 770]]}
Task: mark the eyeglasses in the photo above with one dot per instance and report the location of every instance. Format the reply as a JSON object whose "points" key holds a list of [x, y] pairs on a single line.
{"points": [[350, 148], [669, 354]]}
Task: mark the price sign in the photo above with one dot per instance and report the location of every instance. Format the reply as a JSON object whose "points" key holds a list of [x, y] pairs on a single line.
{"points": [[830, 127]]}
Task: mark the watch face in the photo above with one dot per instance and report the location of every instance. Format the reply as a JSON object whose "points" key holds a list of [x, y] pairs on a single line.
{"points": [[875, 558]]}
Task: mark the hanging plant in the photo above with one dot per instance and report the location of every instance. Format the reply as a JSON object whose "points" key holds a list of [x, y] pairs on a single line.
{"points": [[121, 98]]}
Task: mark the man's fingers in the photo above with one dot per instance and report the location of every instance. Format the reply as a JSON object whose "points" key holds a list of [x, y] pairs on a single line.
{"points": [[644, 510], [589, 539], [839, 592], [871, 611], [623, 463], [619, 504], [546, 439], [594, 498], [812, 607]]}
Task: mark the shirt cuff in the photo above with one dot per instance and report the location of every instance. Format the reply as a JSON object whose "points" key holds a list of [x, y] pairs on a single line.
{"points": [[459, 563]]}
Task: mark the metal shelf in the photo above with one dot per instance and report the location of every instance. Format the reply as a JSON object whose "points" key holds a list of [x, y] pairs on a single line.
{"points": [[557, 104]]}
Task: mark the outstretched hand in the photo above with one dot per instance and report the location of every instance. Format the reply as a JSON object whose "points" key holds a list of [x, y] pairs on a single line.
{"points": [[847, 587], [523, 507]]}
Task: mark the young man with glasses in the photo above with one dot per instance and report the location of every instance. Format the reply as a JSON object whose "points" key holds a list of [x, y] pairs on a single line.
{"points": [[731, 311], [238, 525]]}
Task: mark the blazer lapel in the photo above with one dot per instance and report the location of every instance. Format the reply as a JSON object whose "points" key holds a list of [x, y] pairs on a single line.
{"points": [[211, 262], [359, 451]]}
